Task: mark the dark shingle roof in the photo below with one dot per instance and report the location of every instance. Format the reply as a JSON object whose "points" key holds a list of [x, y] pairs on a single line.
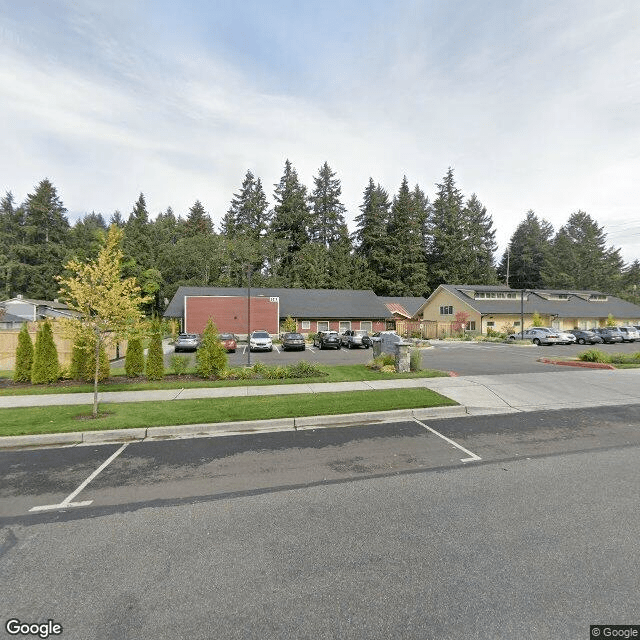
{"points": [[577, 305], [297, 303]]}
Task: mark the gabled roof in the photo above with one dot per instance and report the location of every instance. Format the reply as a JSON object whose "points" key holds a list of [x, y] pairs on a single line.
{"points": [[9, 317], [406, 306], [52, 304], [578, 304], [297, 303]]}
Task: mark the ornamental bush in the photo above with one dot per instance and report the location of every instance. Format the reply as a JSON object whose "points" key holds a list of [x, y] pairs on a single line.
{"points": [[45, 368], [155, 360], [83, 360], [134, 360], [211, 356], [24, 356]]}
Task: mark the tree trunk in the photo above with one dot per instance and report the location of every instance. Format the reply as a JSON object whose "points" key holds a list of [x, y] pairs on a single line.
{"points": [[95, 378]]}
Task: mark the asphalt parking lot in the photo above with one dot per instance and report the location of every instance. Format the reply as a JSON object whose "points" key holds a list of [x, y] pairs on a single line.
{"points": [[463, 358]]}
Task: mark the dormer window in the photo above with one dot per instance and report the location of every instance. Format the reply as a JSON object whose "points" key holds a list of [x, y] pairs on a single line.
{"points": [[496, 295]]}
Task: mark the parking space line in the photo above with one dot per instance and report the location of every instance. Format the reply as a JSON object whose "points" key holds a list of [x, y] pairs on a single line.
{"points": [[275, 346], [67, 502], [472, 456]]}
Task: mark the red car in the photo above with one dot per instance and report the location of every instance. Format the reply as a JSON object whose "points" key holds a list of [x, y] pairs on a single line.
{"points": [[229, 342]]}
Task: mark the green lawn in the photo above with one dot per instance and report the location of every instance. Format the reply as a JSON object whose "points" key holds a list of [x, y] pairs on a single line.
{"points": [[35, 420], [338, 373]]}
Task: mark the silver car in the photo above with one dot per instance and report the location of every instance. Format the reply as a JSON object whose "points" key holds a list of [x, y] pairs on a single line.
{"points": [[539, 335], [186, 342], [630, 334]]}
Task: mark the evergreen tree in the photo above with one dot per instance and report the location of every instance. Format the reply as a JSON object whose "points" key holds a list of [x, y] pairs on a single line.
{"points": [[371, 238], [134, 360], [248, 213], [198, 221], [138, 240], [86, 236], [24, 356], [481, 237], [155, 359], [289, 227], [83, 359], [528, 253], [630, 283], [211, 357], [9, 223], [46, 367], [407, 260]]}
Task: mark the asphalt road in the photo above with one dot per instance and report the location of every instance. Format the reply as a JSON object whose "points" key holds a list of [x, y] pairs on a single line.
{"points": [[464, 358], [363, 532]]}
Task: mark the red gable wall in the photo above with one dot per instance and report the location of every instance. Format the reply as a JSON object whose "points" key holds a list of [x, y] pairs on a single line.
{"points": [[230, 313]]}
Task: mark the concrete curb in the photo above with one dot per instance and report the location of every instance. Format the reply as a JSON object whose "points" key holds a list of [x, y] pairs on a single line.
{"points": [[226, 428]]}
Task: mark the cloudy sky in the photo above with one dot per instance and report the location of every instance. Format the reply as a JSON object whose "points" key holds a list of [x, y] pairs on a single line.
{"points": [[535, 105]]}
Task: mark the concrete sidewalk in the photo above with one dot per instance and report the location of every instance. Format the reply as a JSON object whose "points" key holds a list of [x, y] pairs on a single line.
{"points": [[563, 389]]}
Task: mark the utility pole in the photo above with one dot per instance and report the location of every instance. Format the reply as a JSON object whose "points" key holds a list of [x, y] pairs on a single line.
{"points": [[248, 315], [508, 257]]}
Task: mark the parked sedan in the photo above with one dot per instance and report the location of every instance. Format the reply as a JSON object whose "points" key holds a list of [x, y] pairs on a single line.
{"points": [[586, 337], [609, 335], [629, 334], [353, 338], [327, 340], [229, 341], [260, 341], [186, 342], [538, 335], [565, 336], [293, 341]]}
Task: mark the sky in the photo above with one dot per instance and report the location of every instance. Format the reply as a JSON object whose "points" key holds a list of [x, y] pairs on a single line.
{"points": [[534, 105]]}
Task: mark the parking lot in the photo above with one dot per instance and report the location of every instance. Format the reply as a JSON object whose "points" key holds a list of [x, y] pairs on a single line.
{"points": [[463, 358]]}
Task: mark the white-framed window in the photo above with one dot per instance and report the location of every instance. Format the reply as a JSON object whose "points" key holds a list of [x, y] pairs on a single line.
{"points": [[491, 323], [345, 325], [446, 310], [305, 324], [323, 325], [471, 325], [516, 323], [366, 325]]}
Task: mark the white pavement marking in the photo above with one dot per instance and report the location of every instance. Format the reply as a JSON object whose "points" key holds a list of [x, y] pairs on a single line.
{"points": [[472, 456], [67, 501], [275, 346]]}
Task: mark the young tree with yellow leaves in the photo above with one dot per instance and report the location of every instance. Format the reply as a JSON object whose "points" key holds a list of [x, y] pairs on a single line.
{"points": [[109, 305]]}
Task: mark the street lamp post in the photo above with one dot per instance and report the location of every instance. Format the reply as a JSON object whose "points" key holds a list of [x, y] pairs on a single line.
{"points": [[248, 315], [521, 314]]}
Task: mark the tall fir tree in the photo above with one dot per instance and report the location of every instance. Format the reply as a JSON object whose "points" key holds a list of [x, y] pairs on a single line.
{"points": [[198, 221], [289, 229], [138, 240], [481, 238], [527, 254]]}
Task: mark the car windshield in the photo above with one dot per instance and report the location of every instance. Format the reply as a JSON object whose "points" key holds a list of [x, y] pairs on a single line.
{"points": [[260, 334], [187, 336], [226, 336], [293, 336], [360, 332]]}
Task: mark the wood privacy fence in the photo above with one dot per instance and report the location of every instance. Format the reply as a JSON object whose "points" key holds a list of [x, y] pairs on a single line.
{"points": [[9, 344], [427, 329]]}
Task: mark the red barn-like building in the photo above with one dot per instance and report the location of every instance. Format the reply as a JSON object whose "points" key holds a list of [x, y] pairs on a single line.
{"points": [[230, 313]]}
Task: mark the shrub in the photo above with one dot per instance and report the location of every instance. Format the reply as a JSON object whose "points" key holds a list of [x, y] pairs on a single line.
{"points": [[536, 320], [24, 356], [383, 360], [289, 325], [179, 364], [45, 368], [611, 321], [83, 363], [155, 360], [415, 360], [134, 360], [303, 369], [594, 355], [211, 356]]}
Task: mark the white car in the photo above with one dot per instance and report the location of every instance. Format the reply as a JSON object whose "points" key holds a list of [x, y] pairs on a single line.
{"points": [[630, 334], [538, 335], [565, 336], [260, 341]]}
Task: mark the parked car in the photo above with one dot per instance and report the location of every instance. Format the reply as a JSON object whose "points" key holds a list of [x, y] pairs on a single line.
{"points": [[260, 341], [629, 334], [353, 338], [538, 335], [609, 335], [293, 341], [566, 337], [586, 337], [327, 340], [229, 341], [186, 342]]}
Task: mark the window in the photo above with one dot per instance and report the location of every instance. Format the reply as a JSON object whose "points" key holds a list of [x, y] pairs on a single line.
{"points": [[323, 325], [366, 325], [344, 325], [495, 295], [471, 325], [446, 311], [516, 323], [491, 323], [305, 324]]}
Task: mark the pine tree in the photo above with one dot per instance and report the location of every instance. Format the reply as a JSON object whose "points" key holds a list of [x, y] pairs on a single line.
{"points": [[134, 360], [211, 357], [24, 356], [46, 367], [528, 253], [155, 358], [481, 238], [247, 214], [138, 240], [371, 238], [198, 221], [289, 227]]}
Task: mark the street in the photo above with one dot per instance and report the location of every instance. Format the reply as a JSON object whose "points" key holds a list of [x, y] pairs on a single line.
{"points": [[375, 531]]}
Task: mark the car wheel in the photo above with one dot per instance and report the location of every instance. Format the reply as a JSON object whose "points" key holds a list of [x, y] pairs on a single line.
{"points": [[581, 341], [536, 341]]}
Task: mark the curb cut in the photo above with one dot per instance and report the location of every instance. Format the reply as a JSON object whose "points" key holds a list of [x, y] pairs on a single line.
{"points": [[79, 438]]}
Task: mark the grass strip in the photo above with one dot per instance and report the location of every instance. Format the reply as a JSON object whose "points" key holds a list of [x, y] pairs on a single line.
{"points": [[36, 420], [337, 373]]}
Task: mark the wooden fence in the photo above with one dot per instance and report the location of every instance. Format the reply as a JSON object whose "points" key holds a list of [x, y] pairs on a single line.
{"points": [[427, 329], [9, 344]]}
